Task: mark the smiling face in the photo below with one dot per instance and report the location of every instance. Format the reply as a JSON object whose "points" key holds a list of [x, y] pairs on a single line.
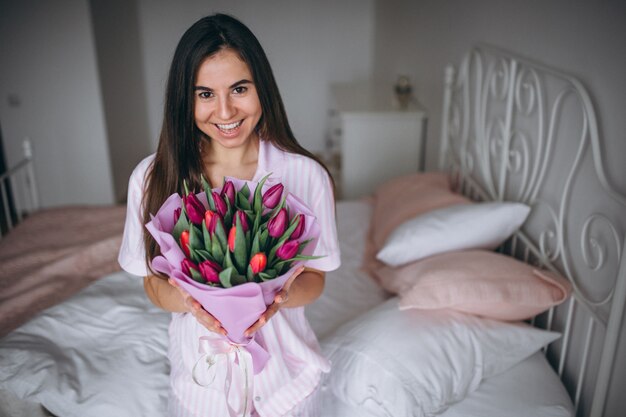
{"points": [[226, 104]]}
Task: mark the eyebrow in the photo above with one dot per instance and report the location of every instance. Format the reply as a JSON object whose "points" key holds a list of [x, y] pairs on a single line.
{"points": [[237, 84]]}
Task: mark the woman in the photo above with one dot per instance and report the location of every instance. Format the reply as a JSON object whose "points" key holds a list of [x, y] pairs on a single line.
{"points": [[224, 117]]}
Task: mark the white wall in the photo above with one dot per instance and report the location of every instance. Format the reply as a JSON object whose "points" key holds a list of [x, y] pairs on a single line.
{"points": [[582, 37], [49, 68], [310, 44]]}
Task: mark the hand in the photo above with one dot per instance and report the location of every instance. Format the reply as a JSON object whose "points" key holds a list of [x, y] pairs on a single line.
{"points": [[279, 299], [196, 310]]}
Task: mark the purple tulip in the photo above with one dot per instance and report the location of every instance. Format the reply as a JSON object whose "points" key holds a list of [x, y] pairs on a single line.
{"points": [[277, 224], [194, 208], [177, 214], [213, 223], [243, 219], [272, 196], [288, 250], [187, 266], [210, 271], [228, 191], [299, 228], [220, 205]]}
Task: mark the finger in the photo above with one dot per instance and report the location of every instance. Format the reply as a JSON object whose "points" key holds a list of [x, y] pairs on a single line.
{"points": [[208, 321], [292, 278], [256, 326]]}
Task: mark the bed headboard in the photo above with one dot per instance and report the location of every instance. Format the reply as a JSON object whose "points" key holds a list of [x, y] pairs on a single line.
{"points": [[516, 130], [18, 191]]}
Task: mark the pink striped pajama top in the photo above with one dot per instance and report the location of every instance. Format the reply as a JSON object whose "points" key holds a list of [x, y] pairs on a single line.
{"points": [[295, 366]]}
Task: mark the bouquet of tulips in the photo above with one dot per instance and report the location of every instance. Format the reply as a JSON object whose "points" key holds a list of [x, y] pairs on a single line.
{"points": [[233, 249]]}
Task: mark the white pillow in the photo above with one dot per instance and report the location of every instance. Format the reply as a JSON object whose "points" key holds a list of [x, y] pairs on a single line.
{"points": [[462, 226], [417, 362]]}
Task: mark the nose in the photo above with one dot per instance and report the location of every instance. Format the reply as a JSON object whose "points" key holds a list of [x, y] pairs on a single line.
{"points": [[225, 108]]}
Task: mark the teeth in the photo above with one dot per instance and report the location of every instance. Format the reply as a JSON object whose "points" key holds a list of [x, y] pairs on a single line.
{"points": [[230, 126]]}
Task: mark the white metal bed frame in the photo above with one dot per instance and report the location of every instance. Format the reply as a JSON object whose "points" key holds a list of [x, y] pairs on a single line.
{"points": [[24, 193], [506, 122]]}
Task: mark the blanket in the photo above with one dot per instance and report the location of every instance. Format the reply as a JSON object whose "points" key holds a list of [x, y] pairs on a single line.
{"points": [[53, 254]]}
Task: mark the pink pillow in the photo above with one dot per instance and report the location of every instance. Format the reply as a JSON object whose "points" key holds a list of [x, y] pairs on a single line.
{"points": [[400, 199], [405, 197], [477, 282]]}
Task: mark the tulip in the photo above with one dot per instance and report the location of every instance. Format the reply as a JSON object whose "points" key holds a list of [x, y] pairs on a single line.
{"points": [[272, 196], [184, 242], [208, 216], [220, 205], [277, 224], [210, 271], [187, 265], [213, 220], [288, 250], [228, 191], [194, 208], [258, 262], [299, 228], [232, 235], [243, 219], [177, 214]]}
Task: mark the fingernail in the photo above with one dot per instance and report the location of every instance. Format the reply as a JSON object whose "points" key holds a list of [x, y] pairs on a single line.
{"points": [[279, 299]]}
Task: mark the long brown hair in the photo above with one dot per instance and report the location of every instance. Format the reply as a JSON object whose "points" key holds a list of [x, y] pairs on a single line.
{"points": [[178, 152]]}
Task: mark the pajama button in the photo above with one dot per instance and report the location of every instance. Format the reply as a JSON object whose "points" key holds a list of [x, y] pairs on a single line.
{"points": [[257, 398]]}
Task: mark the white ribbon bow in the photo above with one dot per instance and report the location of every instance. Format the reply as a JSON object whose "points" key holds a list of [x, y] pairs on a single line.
{"points": [[210, 349]]}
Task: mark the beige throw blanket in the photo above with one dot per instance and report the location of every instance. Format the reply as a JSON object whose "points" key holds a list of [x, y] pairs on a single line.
{"points": [[53, 254]]}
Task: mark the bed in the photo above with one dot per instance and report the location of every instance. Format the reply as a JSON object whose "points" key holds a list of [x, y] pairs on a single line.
{"points": [[516, 136]]}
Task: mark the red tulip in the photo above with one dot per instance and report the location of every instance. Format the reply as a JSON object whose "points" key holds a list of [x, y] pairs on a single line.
{"points": [[243, 219], [228, 191], [194, 208], [258, 262], [272, 196], [288, 250], [187, 265], [208, 216], [232, 234], [220, 205], [210, 271], [277, 224], [299, 228], [184, 242]]}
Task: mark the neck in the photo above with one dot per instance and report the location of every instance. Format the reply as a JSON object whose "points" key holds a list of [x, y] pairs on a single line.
{"points": [[240, 162]]}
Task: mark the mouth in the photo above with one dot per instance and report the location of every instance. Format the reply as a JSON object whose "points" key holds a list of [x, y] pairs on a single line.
{"points": [[229, 129]]}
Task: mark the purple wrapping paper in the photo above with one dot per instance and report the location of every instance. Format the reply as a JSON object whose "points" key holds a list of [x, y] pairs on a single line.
{"points": [[238, 307]]}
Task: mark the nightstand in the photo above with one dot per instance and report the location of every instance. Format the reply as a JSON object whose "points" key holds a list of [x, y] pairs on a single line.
{"points": [[371, 140]]}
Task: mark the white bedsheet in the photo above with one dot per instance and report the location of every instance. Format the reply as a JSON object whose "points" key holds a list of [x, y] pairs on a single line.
{"points": [[103, 352]]}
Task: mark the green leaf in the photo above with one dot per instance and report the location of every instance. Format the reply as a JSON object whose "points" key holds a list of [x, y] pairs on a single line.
{"points": [[221, 234], [245, 190], [256, 246], [237, 279], [181, 224], [250, 274], [228, 261], [205, 255], [207, 191], [268, 274], [256, 224], [226, 277], [242, 201], [263, 238], [258, 197], [217, 252], [193, 254], [196, 276], [206, 236], [240, 254], [195, 238]]}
